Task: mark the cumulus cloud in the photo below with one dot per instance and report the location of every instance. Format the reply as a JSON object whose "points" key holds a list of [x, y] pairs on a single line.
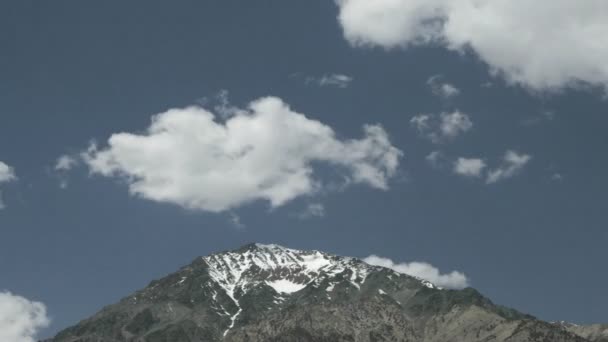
{"points": [[542, 45], [442, 127], [512, 164], [20, 319], [422, 270], [330, 80], [7, 174], [265, 152], [469, 167], [441, 88]]}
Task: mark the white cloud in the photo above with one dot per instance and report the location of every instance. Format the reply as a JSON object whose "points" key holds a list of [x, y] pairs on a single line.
{"points": [[7, 174], [512, 164], [332, 80], [65, 163], [266, 152], [423, 270], [469, 167], [543, 116], [389, 23], [422, 122], [235, 220], [435, 158], [542, 45], [442, 127], [20, 319], [220, 104], [454, 124], [442, 89], [223, 106], [313, 210]]}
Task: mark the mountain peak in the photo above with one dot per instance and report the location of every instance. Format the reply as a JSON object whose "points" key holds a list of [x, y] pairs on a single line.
{"points": [[268, 292], [271, 261], [261, 246], [283, 269]]}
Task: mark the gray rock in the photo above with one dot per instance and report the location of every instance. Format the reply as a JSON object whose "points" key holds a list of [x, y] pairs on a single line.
{"points": [[593, 332]]}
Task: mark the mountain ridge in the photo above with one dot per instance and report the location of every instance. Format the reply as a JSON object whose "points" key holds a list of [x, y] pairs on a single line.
{"points": [[267, 292]]}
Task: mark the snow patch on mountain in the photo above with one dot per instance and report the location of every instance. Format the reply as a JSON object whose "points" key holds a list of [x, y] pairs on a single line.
{"points": [[285, 286]]}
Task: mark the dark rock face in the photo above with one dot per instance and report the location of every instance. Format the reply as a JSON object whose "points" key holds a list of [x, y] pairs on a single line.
{"points": [[271, 293]]}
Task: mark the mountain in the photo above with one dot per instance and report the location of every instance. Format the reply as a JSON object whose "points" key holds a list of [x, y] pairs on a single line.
{"points": [[593, 332], [269, 293]]}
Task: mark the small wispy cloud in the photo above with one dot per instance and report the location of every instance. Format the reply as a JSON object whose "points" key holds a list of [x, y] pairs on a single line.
{"points": [[326, 80], [313, 210], [335, 80], [539, 118], [513, 162], [442, 127], [441, 88], [235, 220], [220, 102], [65, 163], [469, 167], [436, 159]]}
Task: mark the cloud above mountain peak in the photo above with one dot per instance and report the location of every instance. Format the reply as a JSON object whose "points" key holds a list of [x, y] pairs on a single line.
{"points": [[265, 152]]}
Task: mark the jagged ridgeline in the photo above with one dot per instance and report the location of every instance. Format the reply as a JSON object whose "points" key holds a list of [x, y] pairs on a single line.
{"points": [[272, 293]]}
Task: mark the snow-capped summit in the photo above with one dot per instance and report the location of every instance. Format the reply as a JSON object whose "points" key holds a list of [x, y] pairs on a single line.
{"points": [[284, 269]]}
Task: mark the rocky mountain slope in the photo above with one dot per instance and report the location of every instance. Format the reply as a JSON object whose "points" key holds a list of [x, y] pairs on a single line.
{"points": [[593, 332], [272, 293]]}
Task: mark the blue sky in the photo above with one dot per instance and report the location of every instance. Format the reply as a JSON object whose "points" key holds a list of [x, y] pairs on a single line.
{"points": [[197, 126]]}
